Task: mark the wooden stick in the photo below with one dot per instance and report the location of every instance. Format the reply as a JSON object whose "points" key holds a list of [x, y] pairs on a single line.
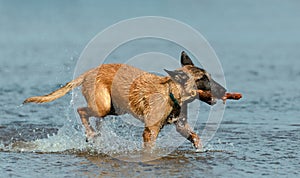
{"points": [[207, 96], [232, 96]]}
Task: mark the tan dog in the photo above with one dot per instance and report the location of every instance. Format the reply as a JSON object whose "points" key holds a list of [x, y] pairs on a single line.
{"points": [[115, 89]]}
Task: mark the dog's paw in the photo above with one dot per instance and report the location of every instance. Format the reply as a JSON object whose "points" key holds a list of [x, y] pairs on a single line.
{"points": [[200, 150], [90, 136], [87, 140]]}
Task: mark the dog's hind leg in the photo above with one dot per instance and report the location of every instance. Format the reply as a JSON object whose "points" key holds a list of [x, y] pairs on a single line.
{"points": [[149, 135], [85, 114], [98, 101]]}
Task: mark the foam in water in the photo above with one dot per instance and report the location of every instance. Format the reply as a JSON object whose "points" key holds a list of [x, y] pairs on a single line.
{"points": [[120, 145], [119, 137]]}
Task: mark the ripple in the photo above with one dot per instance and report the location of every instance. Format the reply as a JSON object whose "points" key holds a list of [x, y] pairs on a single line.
{"points": [[294, 125]]}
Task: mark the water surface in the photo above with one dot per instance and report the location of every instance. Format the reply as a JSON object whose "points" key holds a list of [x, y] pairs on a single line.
{"points": [[258, 45]]}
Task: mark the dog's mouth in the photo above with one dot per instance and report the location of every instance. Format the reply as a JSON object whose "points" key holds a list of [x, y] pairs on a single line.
{"points": [[207, 97], [215, 92]]}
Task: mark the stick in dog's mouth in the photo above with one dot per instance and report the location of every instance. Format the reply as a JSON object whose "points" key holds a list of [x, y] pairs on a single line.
{"points": [[207, 97]]}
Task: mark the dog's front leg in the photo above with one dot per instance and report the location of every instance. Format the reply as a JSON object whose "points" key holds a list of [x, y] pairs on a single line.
{"points": [[186, 131]]}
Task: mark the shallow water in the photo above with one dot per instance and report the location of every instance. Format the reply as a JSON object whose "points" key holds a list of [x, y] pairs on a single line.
{"points": [[258, 45]]}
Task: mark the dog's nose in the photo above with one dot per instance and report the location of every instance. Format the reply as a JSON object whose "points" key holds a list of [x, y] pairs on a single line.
{"points": [[217, 90]]}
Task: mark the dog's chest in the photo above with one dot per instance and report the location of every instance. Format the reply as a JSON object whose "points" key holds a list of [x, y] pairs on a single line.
{"points": [[174, 115]]}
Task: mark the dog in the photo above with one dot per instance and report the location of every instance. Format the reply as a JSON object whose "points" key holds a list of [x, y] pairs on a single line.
{"points": [[116, 89]]}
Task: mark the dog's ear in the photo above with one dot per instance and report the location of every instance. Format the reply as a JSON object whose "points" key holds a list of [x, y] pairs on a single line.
{"points": [[178, 76], [185, 59]]}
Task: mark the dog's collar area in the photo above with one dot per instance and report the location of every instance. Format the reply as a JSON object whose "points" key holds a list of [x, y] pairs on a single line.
{"points": [[175, 113], [175, 101], [172, 97]]}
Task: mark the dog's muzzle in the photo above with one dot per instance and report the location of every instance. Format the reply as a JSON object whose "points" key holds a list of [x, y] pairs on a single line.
{"points": [[217, 90], [211, 96]]}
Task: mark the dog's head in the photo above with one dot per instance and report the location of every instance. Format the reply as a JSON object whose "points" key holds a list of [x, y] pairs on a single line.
{"points": [[192, 78]]}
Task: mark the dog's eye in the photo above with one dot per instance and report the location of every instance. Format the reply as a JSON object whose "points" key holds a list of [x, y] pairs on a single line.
{"points": [[198, 82], [203, 78], [203, 83]]}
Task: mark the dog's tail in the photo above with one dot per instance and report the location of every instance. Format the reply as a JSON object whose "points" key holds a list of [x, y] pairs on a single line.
{"points": [[59, 92]]}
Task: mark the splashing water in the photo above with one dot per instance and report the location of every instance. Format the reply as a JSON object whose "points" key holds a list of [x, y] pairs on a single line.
{"points": [[119, 137]]}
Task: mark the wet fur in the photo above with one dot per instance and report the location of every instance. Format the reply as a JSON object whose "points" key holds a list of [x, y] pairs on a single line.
{"points": [[116, 89]]}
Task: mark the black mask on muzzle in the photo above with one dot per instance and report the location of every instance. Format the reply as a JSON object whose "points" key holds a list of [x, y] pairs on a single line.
{"points": [[217, 90]]}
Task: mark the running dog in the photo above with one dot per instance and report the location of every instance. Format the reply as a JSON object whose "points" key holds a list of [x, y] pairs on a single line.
{"points": [[116, 89]]}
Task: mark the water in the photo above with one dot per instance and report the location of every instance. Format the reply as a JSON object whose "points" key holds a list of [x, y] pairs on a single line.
{"points": [[258, 46]]}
